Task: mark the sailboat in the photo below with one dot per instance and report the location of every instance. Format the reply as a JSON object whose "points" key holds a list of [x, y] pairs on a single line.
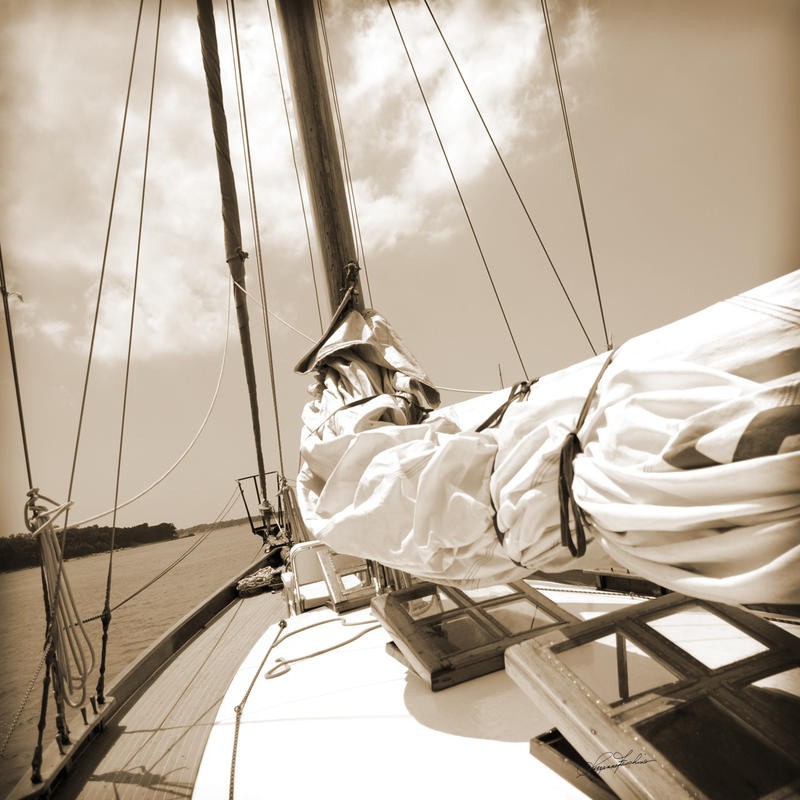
{"points": [[320, 687]]}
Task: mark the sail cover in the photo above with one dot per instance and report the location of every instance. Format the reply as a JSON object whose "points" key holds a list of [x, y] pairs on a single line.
{"points": [[689, 474]]}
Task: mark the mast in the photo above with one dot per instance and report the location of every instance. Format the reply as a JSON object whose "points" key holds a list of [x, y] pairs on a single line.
{"points": [[314, 119], [235, 256]]}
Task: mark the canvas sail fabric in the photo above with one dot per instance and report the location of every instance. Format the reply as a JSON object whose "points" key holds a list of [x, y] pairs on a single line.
{"points": [[689, 475]]}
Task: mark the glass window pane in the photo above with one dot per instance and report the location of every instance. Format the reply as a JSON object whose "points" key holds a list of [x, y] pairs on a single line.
{"points": [[457, 633], [520, 616], [595, 663], [707, 637], [429, 605], [717, 752]]}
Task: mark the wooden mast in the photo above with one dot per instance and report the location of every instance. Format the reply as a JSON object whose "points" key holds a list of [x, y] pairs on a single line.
{"points": [[314, 119]]}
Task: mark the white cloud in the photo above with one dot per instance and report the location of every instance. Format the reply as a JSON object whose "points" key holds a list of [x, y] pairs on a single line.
{"points": [[174, 316], [62, 135], [504, 59]]}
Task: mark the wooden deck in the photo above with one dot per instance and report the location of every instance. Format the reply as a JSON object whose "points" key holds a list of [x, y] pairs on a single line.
{"points": [[152, 748]]}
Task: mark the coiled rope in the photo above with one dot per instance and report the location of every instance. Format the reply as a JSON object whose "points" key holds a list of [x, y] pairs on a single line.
{"points": [[67, 652], [74, 652]]}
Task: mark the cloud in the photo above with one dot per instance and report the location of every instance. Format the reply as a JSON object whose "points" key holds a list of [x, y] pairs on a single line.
{"points": [[61, 125], [504, 59], [171, 318]]}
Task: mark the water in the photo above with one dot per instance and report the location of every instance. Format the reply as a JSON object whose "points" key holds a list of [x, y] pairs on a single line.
{"points": [[133, 627]]}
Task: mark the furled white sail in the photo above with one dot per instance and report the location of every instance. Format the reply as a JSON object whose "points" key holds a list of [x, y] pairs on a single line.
{"points": [[689, 473]]}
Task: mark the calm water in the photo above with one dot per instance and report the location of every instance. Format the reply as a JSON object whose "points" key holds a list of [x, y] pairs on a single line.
{"points": [[133, 627]]}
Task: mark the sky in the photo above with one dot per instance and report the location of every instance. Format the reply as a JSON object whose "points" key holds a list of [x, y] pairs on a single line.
{"points": [[684, 117]]}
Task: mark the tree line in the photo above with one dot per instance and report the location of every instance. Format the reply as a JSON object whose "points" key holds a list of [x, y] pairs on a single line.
{"points": [[22, 549]]}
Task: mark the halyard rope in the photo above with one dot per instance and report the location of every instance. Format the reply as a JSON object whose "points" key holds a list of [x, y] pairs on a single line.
{"points": [[191, 444], [240, 708]]}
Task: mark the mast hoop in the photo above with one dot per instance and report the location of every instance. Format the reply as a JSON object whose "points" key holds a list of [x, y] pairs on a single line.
{"points": [[239, 255]]}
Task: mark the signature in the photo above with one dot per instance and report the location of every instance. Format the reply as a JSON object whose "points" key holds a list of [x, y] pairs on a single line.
{"points": [[615, 760]]}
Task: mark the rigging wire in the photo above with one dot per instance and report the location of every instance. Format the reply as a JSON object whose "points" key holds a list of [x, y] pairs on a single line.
{"points": [[458, 191], [166, 711], [107, 607], [554, 59], [464, 391], [211, 528], [296, 167], [511, 180], [104, 263], [49, 544], [26, 697], [15, 372], [240, 97], [347, 173]]}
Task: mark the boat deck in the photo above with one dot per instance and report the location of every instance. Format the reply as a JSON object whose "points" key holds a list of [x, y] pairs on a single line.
{"points": [[152, 748], [343, 717]]}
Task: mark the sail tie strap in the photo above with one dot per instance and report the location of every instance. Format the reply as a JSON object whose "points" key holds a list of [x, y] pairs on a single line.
{"points": [[519, 391], [569, 450]]}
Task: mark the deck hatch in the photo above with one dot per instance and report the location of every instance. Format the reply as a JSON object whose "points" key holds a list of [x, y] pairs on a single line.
{"points": [[724, 726]]}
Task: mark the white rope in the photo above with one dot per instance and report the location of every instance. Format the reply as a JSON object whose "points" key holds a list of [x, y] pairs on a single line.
{"points": [[273, 314], [74, 652], [465, 391], [191, 443], [314, 341]]}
